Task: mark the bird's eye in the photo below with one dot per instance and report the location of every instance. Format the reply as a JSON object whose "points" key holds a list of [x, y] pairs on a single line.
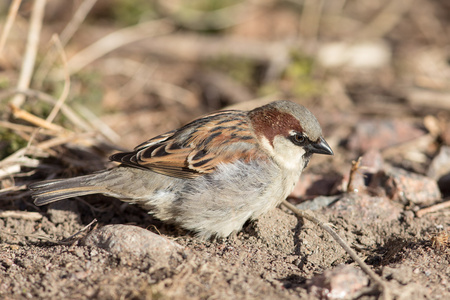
{"points": [[298, 138]]}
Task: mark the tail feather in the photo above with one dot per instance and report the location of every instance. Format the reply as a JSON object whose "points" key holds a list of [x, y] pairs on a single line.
{"points": [[46, 192]]}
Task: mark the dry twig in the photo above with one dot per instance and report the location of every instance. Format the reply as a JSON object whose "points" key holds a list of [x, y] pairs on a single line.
{"points": [[66, 110], [26, 116], [70, 239], [65, 36], [141, 74], [115, 40], [353, 171], [66, 88], [29, 58], [420, 213], [386, 20], [310, 19], [25, 215], [13, 9], [206, 20], [377, 279]]}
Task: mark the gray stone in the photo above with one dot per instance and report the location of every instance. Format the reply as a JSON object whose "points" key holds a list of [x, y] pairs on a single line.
{"points": [[133, 240]]}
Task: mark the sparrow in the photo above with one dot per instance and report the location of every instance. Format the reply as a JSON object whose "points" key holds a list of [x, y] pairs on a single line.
{"points": [[211, 175]]}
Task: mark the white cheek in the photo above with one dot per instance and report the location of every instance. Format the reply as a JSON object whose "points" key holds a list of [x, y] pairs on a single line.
{"points": [[287, 154], [267, 146]]}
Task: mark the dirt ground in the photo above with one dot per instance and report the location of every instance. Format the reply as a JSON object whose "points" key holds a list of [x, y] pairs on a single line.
{"points": [[375, 73], [273, 258]]}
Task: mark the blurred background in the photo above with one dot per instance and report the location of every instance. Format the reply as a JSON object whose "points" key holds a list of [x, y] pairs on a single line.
{"points": [[375, 72]]}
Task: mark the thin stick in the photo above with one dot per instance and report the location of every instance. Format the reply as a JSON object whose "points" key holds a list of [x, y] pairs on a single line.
{"points": [[353, 171], [387, 18], [68, 240], [30, 53], [24, 115], [66, 110], [13, 9], [24, 215], [434, 208], [377, 279], [117, 39], [99, 125], [17, 127], [65, 36], [6, 192], [221, 18], [63, 139], [66, 89], [310, 18], [76, 21]]}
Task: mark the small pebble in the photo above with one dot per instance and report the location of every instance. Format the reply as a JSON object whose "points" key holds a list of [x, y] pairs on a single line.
{"points": [[342, 282]]}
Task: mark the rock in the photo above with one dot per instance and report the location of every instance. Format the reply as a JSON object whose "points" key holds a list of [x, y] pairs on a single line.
{"points": [[444, 184], [318, 202], [342, 282], [440, 169], [440, 165], [446, 133], [366, 208], [372, 161], [133, 240], [407, 187]]}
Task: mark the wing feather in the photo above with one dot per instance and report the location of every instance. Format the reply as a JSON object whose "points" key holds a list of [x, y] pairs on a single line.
{"points": [[198, 147]]}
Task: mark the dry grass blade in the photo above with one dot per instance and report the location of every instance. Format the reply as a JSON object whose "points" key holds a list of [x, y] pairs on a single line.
{"points": [[66, 88], [386, 20], [192, 47], [25, 215], [65, 36], [310, 19], [26, 116], [70, 239], [97, 123], [68, 112], [29, 58], [50, 141], [76, 21], [115, 40], [13, 9], [203, 20], [139, 79], [140, 75], [23, 128], [13, 168]]}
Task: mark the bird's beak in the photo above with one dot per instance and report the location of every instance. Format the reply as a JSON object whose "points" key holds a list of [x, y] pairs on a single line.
{"points": [[320, 147]]}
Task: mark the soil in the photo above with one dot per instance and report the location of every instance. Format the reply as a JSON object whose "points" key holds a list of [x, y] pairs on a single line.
{"points": [[274, 257]]}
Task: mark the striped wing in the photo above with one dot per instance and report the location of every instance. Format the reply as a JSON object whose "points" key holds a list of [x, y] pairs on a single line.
{"points": [[198, 147]]}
